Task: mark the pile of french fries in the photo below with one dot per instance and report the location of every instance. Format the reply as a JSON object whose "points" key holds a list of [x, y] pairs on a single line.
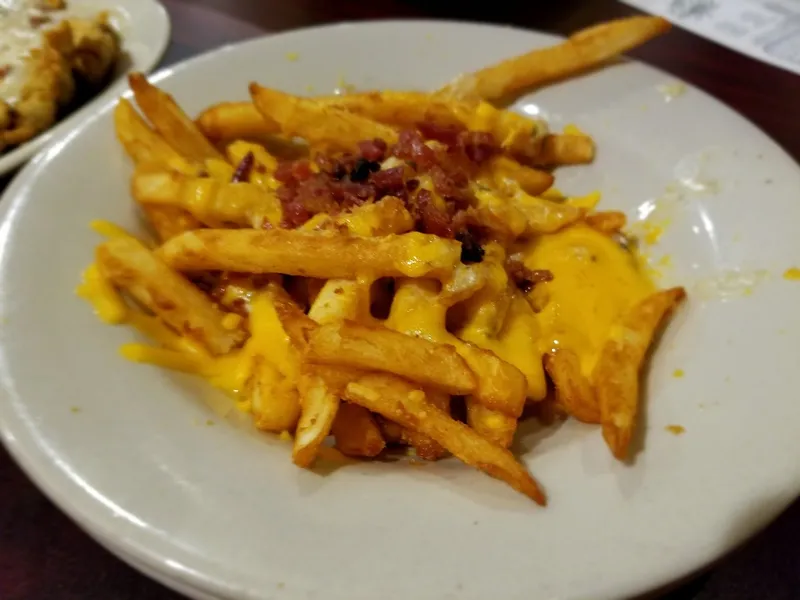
{"points": [[291, 325]]}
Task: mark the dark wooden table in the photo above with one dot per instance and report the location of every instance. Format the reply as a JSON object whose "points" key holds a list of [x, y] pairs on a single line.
{"points": [[44, 556]]}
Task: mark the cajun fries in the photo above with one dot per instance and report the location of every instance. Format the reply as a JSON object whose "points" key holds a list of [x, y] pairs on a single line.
{"points": [[416, 254]]}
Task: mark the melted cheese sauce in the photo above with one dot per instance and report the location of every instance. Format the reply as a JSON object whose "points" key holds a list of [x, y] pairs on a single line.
{"points": [[594, 282]]}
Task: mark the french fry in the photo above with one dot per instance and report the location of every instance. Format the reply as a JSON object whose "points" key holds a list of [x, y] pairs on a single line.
{"points": [[342, 299], [417, 310], [169, 221], [319, 408], [273, 399], [292, 252], [505, 171], [573, 390], [582, 51], [264, 163], [318, 124], [563, 149], [170, 121], [209, 201], [608, 222], [545, 216], [491, 424], [401, 402], [515, 133], [356, 433], [616, 374], [388, 215], [145, 146], [229, 121], [352, 345], [132, 267]]}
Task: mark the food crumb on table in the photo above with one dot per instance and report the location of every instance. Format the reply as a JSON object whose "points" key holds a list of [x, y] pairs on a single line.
{"points": [[676, 429]]}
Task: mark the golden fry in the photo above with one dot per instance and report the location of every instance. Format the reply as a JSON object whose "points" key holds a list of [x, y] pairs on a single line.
{"points": [[417, 310], [573, 390], [170, 121], [274, 399], [229, 121], [388, 215], [582, 51], [505, 171], [212, 202], [318, 124], [515, 133], [132, 267], [169, 221], [356, 432], [399, 401], [616, 374], [292, 252], [349, 344], [608, 222], [491, 424], [145, 146], [319, 408], [563, 149]]}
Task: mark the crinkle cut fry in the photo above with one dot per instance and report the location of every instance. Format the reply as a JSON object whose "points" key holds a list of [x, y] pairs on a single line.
{"points": [[403, 403], [132, 267], [616, 374], [170, 121], [309, 254], [582, 51]]}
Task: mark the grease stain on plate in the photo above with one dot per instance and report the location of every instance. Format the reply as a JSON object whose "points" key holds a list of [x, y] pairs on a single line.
{"points": [[672, 90], [730, 285]]}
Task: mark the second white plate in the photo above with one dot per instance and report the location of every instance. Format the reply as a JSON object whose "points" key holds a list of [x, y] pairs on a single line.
{"points": [[144, 27]]}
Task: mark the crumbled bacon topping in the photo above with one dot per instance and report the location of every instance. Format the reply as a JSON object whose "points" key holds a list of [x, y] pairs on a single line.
{"points": [[525, 278], [352, 179]]}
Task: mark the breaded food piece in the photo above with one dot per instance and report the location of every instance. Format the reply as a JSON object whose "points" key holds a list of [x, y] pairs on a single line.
{"points": [[50, 87], [74, 53], [96, 48]]}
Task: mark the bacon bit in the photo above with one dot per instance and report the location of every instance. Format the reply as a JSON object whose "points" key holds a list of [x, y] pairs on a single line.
{"points": [[245, 168], [411, 147], [293, 171], [389, 182], [373, 150], [37, 21], [5, 70], [294, 215], [447, 134], [412, 184], [471, 250], [479, 146], [525, 278]]}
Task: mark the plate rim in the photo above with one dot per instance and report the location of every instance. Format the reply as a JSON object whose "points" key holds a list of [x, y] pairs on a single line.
{"points": [[25, 152], [135, 552]]}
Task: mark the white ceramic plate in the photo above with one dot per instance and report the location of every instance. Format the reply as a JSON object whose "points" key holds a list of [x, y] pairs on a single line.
{"points": [[220, 511], [144, 27]]}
